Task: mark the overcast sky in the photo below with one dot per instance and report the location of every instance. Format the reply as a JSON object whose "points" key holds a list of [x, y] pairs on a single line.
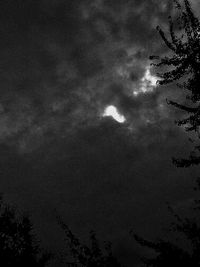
{"points": [[62, 63]]}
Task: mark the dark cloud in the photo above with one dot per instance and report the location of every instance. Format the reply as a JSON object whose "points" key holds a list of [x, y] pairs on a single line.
{"points": [[60, 59], [103, 177]]}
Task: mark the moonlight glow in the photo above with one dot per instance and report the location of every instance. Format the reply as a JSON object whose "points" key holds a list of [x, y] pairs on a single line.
{"points": [[148, 83], [112, 111]]}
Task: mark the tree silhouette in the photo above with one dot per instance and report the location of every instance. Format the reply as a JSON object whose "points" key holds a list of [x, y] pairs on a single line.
{"points": [[88, 256], [184, 66], [17, 243], [172, 253]]}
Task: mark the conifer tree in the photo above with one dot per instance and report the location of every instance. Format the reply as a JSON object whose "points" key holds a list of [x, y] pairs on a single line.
{"points": [[183, 66]]}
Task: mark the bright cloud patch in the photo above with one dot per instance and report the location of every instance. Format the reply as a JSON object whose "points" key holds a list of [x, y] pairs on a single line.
{"points": [[112, 111], [148, 83]]}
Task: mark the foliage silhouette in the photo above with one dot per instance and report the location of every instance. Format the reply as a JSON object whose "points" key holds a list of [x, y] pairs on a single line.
{"points": [[171, 253], [17, 243], [88, 256], [184, 65]]}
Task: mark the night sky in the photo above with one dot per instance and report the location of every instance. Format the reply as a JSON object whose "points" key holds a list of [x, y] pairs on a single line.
{"points": [[62, 64]]}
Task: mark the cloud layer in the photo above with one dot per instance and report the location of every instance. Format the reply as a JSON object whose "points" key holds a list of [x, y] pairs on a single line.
{"points": [[63, 62]]}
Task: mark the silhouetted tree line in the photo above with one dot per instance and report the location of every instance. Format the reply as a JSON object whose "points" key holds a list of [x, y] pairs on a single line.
{"points": [[18, 246], [88, 256]]}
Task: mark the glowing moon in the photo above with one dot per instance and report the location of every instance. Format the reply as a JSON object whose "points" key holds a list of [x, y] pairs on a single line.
{"points": [[113, 112]]}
